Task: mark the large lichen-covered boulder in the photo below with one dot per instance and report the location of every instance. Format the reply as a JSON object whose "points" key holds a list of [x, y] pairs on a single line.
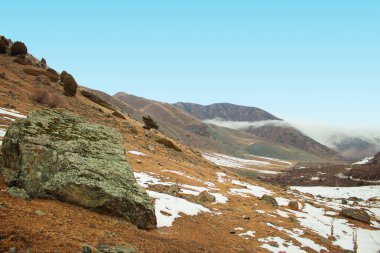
{"points": [[58, 155]]}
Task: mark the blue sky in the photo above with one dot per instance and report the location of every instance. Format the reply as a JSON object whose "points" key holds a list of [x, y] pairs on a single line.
{"points": [[314, 60]]}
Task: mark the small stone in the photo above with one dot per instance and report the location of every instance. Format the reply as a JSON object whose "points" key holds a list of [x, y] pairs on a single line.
{"points": [[39, 212], [151, 148], [18, 193], [344, 202], [356, 214], [86, 249], [232, 232], [12, 250], [206, 197], [269, 200], [138, 161], [246, 217], [293, 205], [115, 249]]}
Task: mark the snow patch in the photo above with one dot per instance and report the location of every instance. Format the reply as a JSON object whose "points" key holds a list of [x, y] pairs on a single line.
{"points": [[134, 152], [11, 112], [305, 242], [282, 201], [364, 161], [247, 234], [168, 208], [220, 177], [249, 189], [145, 180], [279, 245]]}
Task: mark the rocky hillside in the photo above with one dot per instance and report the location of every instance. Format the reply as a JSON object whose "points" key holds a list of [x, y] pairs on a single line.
{"points": [[226, 111], [78, 193]]}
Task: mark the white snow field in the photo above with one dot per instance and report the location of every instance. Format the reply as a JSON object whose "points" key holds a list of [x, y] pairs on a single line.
{"points": [[316, 219], [239, 163], [363, 192]]}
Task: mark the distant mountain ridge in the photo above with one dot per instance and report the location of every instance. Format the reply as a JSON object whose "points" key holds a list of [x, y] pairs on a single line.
{"points": [[226, 111], [186, 122], [284, 135]]}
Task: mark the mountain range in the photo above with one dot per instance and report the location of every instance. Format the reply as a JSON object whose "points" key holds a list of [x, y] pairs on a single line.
{"points": [[186, 122]]}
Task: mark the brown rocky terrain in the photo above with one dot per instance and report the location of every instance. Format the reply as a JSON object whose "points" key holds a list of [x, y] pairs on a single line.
{"points": [[245, 222]]}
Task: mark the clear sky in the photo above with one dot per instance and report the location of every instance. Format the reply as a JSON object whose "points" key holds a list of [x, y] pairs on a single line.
{"points": [[308, 59]]}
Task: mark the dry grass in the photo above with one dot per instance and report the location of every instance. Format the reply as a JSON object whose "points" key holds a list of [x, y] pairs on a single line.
{"points": [[42, 96]]}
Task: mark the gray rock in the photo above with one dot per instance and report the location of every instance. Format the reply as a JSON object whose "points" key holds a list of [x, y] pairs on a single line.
{"points": [[58, 155], [206, 197], [12, 250], [86, 249], [115, 249], [269, 200], [293, 205], [39, 212], [18, 193], [356, 214]]}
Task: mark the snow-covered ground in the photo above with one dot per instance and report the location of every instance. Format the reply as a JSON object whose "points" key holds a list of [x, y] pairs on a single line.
{"points": [[363, 192], [239, 163], [168, 208], [249, 189], [364, 161], [320, 218]]}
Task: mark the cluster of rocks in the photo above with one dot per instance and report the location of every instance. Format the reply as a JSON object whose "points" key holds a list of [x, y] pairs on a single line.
{"points": [[39, 68]]}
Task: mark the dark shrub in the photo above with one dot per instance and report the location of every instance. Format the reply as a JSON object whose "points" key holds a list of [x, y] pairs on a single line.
{"points": [[70, 86], [43, 63], [3, 47], [168, 143], [43, 97], [149, 123], [63, 76], [18, 48], [4, 40]]}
